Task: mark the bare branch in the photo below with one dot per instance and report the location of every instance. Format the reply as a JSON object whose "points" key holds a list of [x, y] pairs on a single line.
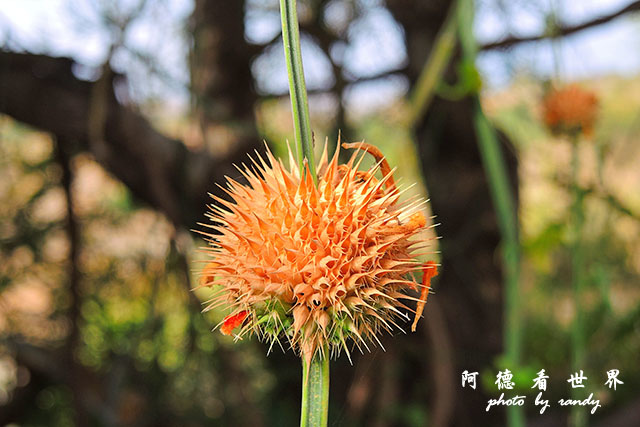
{"points": [[43, 92], [563, 30]]}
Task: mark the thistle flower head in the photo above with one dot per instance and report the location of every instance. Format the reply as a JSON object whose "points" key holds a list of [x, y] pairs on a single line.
{"points": [[570, 110], [316, 265]]}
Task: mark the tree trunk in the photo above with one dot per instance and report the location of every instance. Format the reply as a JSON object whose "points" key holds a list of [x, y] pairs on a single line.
{"points": [[221, 81]]}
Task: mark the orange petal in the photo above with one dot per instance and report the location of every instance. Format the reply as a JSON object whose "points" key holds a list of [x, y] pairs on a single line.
{"points": [[300, 316], [429, 271], [232, 321]]}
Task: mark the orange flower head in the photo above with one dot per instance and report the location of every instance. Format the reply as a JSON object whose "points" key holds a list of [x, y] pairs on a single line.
{"points": [[317, 265], [570, 110]]}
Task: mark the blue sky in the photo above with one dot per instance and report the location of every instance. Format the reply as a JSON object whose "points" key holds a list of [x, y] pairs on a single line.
{"points": [[72, 28]]}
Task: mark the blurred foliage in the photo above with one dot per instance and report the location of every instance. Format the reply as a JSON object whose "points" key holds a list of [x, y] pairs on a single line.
{"points": [[141, 323], [611, 238]]}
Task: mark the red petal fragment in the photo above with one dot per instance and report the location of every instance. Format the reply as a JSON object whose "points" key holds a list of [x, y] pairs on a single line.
{"points": [[232, 321], [429, 271]]}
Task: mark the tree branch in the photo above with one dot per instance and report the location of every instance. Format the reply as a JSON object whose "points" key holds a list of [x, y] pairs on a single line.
{"points": [[42, 91], [73, 231], [561, 31]]}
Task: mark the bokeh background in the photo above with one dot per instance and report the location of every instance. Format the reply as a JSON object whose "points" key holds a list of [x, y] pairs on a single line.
{"points": [[118, 116]]}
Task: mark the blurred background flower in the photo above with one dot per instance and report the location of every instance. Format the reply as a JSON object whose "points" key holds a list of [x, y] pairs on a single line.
{"points": [[570, 110]]}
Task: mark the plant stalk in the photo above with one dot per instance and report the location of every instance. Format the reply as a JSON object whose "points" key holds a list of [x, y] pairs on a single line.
{"points": [[297, 86], [434, 68], [508, 224], [315, 391], [507, 221], [578, 414], [505, 206], [315, 374]]}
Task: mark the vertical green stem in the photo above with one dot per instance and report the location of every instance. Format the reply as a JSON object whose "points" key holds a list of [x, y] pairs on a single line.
{"points": [[315, 391], [315, 374], [506, 212], [578, 414], [555, 40], [297, 87], [505, 208], [434, 67], [507, 221]]}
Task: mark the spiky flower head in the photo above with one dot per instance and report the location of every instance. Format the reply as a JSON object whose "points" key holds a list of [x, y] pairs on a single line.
{"points": [[318, 265], [570, 110]]}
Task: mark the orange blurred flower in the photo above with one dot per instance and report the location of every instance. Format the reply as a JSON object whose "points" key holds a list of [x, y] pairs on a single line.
{"points": [[316, 265], [570, 110]]}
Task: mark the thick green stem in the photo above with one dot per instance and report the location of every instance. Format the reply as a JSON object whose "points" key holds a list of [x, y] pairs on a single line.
{"points": [[505, 206], [578, 414], [434, 68], [315, 374], [297, 87], [315, 392]]}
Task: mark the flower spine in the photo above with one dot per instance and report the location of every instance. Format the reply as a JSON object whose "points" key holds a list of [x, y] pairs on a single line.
{"points": [[315, 265]]}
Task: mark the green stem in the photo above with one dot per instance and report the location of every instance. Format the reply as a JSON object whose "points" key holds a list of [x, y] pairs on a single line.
{"points": [[315, 375], [297, 87], [315, 392], [578, 414], [505, 206], [507, 221], [555, 41], [434, 68]]}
